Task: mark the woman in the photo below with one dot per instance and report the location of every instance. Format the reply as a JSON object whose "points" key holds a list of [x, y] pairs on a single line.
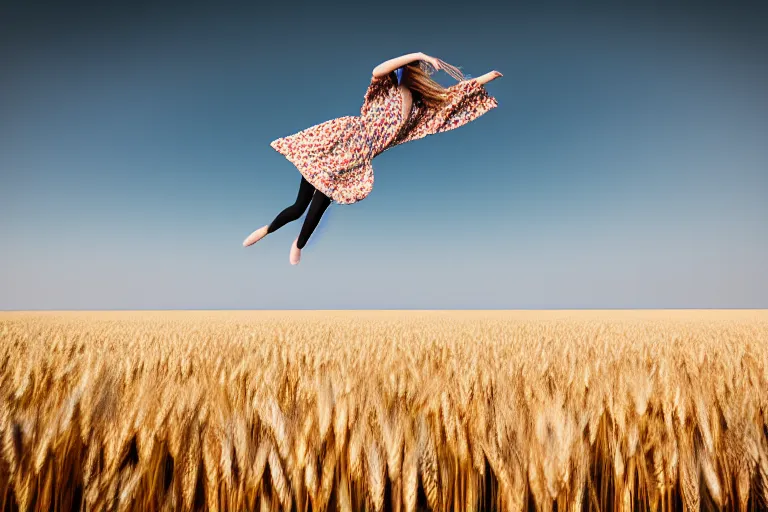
{"points": [[402, 103]]}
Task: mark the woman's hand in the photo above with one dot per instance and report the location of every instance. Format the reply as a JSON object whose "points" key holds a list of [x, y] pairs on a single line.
{"points": [[492, 75], [432, 60]]}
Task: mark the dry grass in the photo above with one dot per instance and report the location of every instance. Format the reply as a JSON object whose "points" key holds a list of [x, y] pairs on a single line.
{"points": [[403, 411]]}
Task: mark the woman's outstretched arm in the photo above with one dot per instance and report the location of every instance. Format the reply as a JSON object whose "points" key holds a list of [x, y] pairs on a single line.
{"points": [[484, 79], [390, 65]]}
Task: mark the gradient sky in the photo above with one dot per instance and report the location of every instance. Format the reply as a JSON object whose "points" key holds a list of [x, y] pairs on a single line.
{"points": [[625, 167]]}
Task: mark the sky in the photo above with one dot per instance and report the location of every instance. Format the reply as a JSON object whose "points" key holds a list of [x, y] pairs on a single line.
{"points": [[626, 165]]}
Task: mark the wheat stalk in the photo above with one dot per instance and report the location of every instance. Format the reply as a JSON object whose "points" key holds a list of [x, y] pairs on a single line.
{"points": [[665, 404]]}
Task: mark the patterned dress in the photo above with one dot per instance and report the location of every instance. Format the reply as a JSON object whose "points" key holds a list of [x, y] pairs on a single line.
{"points": [[336, 156]]}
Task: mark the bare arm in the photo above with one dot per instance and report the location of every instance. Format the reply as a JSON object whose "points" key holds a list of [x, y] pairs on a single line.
{"points": [[484, 79], [390, 65]]}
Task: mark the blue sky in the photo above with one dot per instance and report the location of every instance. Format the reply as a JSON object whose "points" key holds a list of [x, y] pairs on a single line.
{"points": [[625, 167]]}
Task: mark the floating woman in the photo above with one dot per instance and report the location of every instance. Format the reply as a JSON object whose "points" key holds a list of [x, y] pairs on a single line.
{"points": [[402, 104]]}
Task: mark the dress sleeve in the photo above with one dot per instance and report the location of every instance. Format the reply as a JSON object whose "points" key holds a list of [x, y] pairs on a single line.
{"points": [[467, 101]]}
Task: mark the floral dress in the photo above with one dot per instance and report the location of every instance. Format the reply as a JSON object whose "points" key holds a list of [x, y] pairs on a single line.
{"points": [[335, 156]]}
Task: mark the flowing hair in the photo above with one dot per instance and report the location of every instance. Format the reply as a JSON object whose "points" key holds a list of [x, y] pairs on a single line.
{"points": [[417, 77]]}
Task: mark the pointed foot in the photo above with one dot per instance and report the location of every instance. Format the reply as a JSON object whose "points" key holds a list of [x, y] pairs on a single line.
{"points": [[255, 236], [295, 255]]}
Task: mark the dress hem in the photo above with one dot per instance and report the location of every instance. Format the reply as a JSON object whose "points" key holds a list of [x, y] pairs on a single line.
{"points": [[313, 179]]}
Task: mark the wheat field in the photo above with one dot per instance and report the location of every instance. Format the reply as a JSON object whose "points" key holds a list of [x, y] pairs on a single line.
{"points": [[384, 410]]}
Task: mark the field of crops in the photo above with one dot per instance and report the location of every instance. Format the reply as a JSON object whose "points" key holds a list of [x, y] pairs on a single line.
{"points": [[387, 410]]}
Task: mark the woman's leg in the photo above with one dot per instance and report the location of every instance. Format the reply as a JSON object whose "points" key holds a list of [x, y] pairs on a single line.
{"points": [[319, 204], [291, 213], [294, 211]]}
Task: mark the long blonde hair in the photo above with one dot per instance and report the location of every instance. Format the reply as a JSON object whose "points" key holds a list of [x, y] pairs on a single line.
{"points": [[416, 76]]}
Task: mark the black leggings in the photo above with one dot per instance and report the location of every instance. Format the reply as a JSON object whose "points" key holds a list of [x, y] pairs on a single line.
{"points": [[307, 194]]}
